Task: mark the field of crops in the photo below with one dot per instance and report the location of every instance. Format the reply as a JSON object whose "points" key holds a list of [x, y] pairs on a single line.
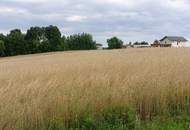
{"points": [[111, 89]]}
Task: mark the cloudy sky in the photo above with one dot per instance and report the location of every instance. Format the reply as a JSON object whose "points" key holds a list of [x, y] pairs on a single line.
{"points": [[130, 20]]}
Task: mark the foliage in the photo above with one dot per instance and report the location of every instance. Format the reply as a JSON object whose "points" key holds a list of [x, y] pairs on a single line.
{"points": [[114, 43], [2, 48], [167, 124], [15, 43], [2, 37], [82, 41], [156, 42], [34, 38], [43, 39], [89, 122], [52, 40], [141, 43], [109, 119]]}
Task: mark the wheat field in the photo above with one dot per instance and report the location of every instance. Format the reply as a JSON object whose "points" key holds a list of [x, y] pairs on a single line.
{"points": [[38, 88]]}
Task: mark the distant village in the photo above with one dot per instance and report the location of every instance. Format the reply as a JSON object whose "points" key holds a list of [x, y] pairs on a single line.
{"points": [[167, 41]]}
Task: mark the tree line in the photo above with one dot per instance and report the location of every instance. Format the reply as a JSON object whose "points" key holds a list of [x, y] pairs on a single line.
{"points": [[43, 39], [116, 43], [49, 39]]}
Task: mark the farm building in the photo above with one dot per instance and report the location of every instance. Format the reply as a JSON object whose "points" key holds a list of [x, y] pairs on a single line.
{"points": [[141, 45], [99, 46], [172, 41]]}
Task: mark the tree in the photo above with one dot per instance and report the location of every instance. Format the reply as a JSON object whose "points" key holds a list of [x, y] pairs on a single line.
{"points": [[44, 39], [15, 43], [144, 43], [2, 37], [34, 38], [82, 41], [114, 43], [156, 42], [141, 43], [54, 41], [2, 48], [63, 45]]}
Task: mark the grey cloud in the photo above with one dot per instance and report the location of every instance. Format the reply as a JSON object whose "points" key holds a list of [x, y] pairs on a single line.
{"points": [[131, 20]]}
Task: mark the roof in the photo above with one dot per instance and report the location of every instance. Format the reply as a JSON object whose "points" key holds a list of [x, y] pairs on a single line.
{"points": [[175, 38], [98, 44]]}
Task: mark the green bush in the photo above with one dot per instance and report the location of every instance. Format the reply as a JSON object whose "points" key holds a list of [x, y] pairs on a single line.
{"points": [[114, 118], [114, 43]]}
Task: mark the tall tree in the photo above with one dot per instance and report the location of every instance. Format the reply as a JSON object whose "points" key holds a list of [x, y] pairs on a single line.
{"points": [[2, 48], [34, 37], [15, 43], [114, 43], [63, 45], [43, 39], [2, 37], [82, 41], [54, 41]]}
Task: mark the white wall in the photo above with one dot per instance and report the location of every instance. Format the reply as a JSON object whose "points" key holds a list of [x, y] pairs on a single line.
{"points": [[176, 44], [186, 44], [180, 44], [166, 41]]}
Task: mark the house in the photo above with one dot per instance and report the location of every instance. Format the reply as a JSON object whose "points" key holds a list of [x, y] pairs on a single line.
{"points": [[173, 41], [159, 44], [99, 46]]}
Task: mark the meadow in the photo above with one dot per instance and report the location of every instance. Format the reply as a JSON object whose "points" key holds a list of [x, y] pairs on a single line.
{"points": [[127, 89]]}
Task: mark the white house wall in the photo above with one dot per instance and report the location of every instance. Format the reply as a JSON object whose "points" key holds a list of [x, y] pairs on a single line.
{"points": [[180, 44], [186, 44], [175, 43], [166, 41]]}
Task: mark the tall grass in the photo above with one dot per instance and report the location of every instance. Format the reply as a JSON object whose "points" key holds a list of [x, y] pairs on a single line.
{"points": [[40, 90]]}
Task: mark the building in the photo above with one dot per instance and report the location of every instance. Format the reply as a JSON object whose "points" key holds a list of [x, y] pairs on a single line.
{"points": [[158, 44], [99, 46], [141, 45], [173, 41]]}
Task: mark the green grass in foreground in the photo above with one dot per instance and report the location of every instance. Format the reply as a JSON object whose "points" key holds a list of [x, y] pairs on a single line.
{"points": [[149, 125], [116, 119]]}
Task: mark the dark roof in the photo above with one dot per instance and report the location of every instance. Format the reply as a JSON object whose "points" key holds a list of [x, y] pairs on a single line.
{"points": [[174, 38], [98, 44]]}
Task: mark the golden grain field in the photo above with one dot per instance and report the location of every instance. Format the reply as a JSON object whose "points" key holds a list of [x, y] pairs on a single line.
{"points": [[36, 88]]}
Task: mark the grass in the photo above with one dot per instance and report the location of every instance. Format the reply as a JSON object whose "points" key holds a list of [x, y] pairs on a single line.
{"points": [[131, 89]]}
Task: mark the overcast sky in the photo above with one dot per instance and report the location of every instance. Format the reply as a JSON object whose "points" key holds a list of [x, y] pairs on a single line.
{"points": [[130, 20]]}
